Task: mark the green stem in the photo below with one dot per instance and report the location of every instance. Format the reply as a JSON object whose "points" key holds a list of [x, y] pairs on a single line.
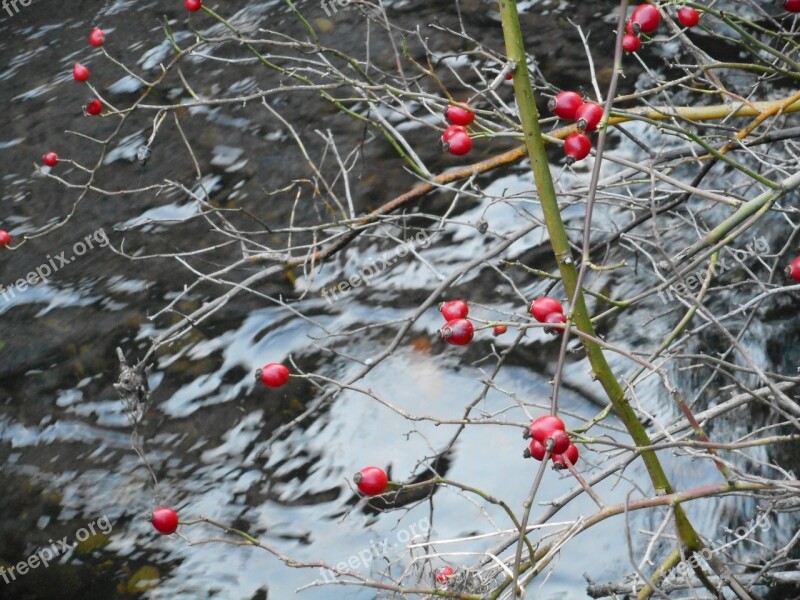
{"points": [[558, 238], [529, 118]]}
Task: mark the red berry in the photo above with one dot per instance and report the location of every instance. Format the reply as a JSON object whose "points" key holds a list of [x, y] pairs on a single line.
{"points": [[509, 76], [5, 238], [631, 42], [193, 5], [50, 159], [689, 17], [541, 307], [645, 19], [792, 6], [629, 27], [457, 332], [451, 131], [273, 375], [793, 270], [588, 116], [458, 144], [97, 37], [571, 453], [371, 481], [442, 575], [95, 107], [79, 72], [545, 426], [565, 104], [454, 309], [577, 147], [561, 441], [499, 330], [459, 116], [165, 520], [456, 140], [535, 450], [555, 317]]}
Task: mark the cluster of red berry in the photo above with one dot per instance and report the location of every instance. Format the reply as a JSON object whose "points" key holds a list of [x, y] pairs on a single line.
{"points": [[549, 427], [587, 116], [455, 138], [443, 574], [646, 18], [548, 310], [458, 330]]}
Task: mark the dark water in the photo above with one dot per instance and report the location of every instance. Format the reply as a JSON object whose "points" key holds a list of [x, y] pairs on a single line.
{"points": [[64, 439]]}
